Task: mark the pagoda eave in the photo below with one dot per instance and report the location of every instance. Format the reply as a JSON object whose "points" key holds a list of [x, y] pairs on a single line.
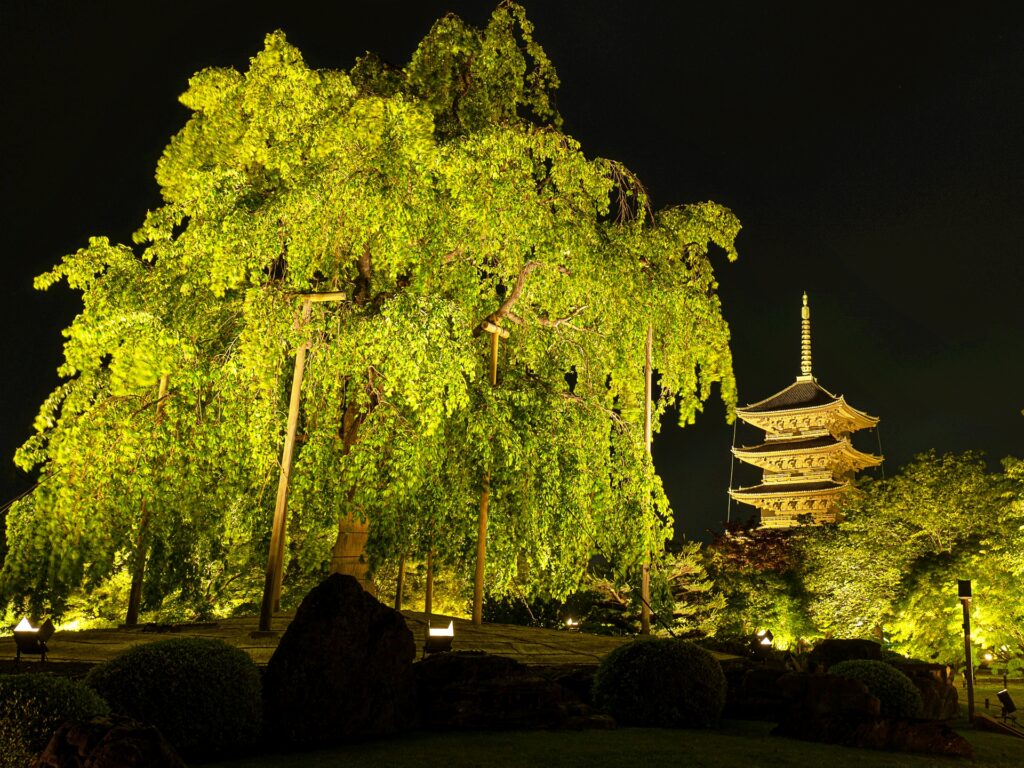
{"points": [[836, 418], [813, 454]]}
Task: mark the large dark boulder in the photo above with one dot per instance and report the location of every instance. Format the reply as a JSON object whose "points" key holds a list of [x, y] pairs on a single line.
{"points": [[478, 691], [832, 651], [810, 698], [909, 736], [839, 710], [108, 742], [938, 691], [342, 672], [752, 692]]}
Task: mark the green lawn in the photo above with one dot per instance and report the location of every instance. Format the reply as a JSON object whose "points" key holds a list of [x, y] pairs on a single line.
{"points": [[738, 743]]}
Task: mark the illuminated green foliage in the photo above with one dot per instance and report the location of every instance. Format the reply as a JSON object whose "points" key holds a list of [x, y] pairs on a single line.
{"points": [[894, 562], [436, 196], [889, 570]]}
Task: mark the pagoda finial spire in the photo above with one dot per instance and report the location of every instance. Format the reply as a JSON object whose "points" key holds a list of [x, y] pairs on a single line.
{"points": [[805, 339]]}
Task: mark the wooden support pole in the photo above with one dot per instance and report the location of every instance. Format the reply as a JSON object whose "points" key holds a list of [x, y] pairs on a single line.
{"points": [[481, 553], [275, 558], [400, 583], [142, 543], [428, 601], [481, 537], [645, 582], [494, 359]]}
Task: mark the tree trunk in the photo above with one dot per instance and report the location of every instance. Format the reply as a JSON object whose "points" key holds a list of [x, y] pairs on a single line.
{"points": [[349, 555], [142, 542], [138, 569]]}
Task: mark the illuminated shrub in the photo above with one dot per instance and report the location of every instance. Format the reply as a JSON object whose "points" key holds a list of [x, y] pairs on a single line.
{"points": [[203, 694], [33, 706], [661, 682], [899, 697]]}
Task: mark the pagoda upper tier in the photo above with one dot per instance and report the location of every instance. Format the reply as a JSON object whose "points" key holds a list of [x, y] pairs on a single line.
{"points": [[807, 457], [805, 408]]}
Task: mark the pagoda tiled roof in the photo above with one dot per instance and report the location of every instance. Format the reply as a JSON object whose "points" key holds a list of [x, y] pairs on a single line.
{"points": [[784, 489], [803, 393], [800, 444]]}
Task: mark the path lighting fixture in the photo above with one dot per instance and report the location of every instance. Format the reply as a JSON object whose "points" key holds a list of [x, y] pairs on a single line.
{"points": [[1008, 706], [765, 637], [571, 624], [29, 639], [439, 638]]}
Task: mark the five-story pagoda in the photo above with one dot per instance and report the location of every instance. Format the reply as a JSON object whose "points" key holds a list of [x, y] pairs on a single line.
{"points": [[807, 457]]}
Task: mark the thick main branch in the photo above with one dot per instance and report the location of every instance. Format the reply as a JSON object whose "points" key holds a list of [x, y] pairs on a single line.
{"points": [[513, 296]]}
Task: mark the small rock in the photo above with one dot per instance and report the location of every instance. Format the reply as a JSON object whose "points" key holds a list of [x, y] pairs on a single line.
{"points": [[108, 742]]}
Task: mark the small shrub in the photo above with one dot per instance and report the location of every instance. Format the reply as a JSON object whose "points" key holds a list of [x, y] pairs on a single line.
{"points": [[898, 695], [33, 706], [666, 682], [203, 694]]}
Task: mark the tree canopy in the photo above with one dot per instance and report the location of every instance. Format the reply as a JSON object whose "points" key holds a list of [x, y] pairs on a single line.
{"points": [[435, 196], [889, 570]]}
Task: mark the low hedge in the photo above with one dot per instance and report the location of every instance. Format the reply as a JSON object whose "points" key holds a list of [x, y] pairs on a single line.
{"points": [[661, 682], [33, 706], [203, 694], [898, 695]]}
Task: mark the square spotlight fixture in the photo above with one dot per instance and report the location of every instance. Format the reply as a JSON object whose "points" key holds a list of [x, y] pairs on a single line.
{"points": [[765, 637], [439, 639], [29, 639], [571, 624], [1008, 706]]}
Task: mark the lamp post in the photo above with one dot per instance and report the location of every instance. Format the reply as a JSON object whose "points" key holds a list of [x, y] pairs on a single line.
{"points": [[964, 592]]}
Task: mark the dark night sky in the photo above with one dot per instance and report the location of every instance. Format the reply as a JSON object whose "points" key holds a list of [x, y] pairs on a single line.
{"points": [[875, 157]]}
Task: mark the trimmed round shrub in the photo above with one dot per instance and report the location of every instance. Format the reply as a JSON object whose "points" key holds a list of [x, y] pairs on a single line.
{"points": [[662, 682], [898, 696], [202, 694], [33, 706]]}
